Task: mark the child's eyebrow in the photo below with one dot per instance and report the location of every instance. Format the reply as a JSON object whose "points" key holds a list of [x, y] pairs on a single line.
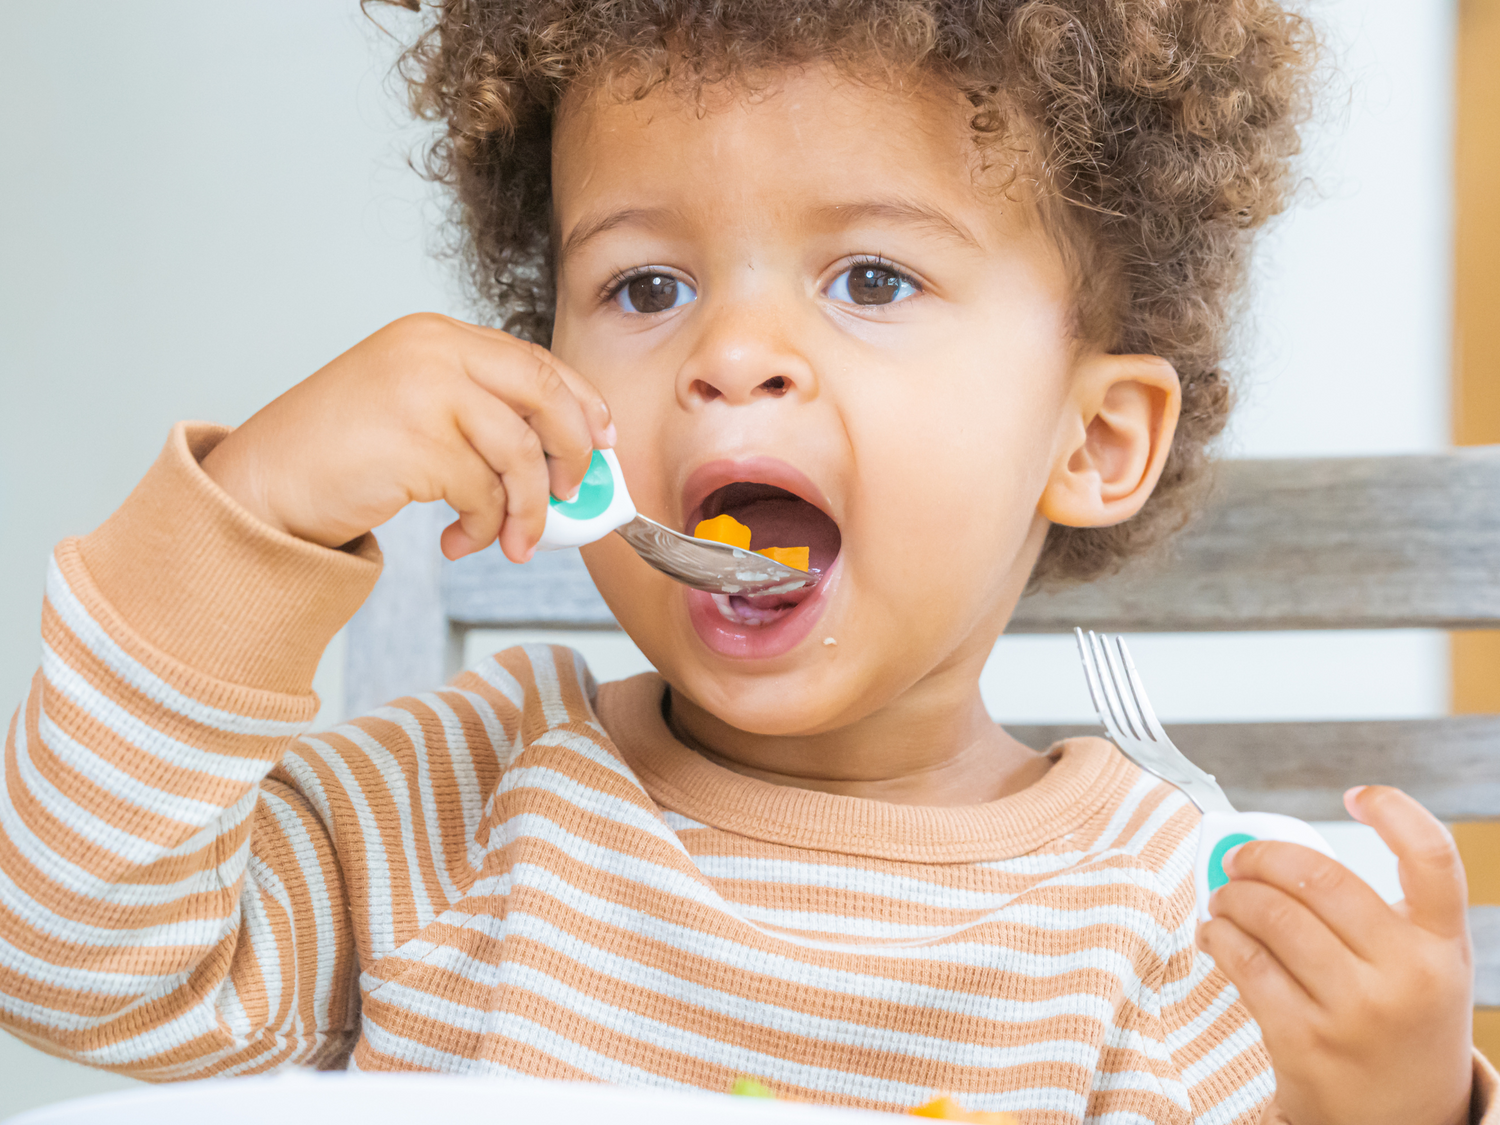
{"points": [[902, 211], [625, 216]]}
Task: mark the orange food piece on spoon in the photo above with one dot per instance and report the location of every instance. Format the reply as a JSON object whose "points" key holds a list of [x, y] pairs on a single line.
{"points": [[724, 529], [787, 556]]}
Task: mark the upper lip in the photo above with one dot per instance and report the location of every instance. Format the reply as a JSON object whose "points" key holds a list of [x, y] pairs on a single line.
{"points": [[708, 478]]}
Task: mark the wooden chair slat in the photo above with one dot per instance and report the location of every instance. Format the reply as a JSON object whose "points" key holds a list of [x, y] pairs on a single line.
{"points": [[1327, 543], [1451, 765], [552, 591]]}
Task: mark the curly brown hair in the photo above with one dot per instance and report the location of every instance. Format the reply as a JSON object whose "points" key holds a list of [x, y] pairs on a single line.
{"points": [[1162, 135]]}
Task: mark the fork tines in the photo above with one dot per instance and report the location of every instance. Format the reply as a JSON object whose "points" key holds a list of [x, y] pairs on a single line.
{"points": [[1116, 690]]}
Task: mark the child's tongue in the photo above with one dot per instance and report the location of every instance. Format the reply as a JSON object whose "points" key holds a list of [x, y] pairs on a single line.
{"points": [[780, 521], [758, 611]]}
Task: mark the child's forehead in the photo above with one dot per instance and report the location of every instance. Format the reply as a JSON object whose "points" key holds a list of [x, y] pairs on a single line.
{"points": [[812, 136], [867, 106]]}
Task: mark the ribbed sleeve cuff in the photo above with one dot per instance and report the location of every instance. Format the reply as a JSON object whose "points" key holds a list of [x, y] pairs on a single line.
{"points": [[202, 580]]}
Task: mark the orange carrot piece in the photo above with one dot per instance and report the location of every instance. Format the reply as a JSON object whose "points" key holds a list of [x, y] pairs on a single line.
{"points": [[724, 529], [787, 556], [948, 1109]]}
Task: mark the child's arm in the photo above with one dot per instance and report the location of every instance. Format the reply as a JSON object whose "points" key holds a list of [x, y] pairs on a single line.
{"points": [[164, 911], [167, 907], [1365, 1007]]}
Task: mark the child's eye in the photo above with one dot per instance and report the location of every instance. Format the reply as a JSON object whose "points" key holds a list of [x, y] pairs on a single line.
{"points": [[871, 283], [653, 292]]}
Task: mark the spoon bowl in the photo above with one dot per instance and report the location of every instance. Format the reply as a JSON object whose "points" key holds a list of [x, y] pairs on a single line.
{"points": [[718, 568], [603, 504]]}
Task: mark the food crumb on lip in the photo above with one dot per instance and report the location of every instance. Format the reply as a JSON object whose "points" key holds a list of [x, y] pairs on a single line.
{"points": [[829, 641]]}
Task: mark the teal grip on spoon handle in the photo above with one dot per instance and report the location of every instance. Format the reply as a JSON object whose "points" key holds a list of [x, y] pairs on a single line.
{"points": [[603, 503], [1219, 832]]}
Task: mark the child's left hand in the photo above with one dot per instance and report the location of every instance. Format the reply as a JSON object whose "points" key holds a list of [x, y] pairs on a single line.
{"points": [[1366, 1008]]}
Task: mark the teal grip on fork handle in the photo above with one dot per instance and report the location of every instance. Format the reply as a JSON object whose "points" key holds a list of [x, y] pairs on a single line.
{"points": [[1221, 831], [603, 503]]}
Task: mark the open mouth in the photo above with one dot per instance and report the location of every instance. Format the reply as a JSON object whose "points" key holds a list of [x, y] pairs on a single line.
{"points": [[776, 518]]}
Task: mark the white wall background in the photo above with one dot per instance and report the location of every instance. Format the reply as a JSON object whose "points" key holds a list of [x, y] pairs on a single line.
{"points": [[202, 203]]}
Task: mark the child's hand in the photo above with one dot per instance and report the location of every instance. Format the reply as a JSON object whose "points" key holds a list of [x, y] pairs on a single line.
{"points": [[1366, 1008], [428, 408]]}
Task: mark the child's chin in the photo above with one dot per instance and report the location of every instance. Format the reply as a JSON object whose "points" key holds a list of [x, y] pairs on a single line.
{"points": [[786, 706]]}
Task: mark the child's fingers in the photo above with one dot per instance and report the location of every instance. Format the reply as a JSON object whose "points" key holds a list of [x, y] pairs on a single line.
{"points": [[456, 542], [529, 380], [1343, 902], [557, 402], [513, 450], [1432, 875], [1267, 988], [1306, 948], [595, 410], [473, 490]]}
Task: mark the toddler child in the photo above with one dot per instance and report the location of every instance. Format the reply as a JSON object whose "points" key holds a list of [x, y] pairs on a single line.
{"points": [[931, 287]]}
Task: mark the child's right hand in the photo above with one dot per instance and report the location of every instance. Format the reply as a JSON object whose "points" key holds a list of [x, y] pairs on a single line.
{"points": [[428, 408], [1366, 1008]]}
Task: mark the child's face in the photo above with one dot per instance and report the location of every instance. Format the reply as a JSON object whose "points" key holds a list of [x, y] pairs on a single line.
{"points": [[821, 297]]}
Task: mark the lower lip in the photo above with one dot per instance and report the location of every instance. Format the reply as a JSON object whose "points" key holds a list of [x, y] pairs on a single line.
{"points": [[758, 642]]}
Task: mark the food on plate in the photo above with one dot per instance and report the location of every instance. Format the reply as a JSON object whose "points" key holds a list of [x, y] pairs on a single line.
{"points": [[726, 529], [944, 1108], [749, 1088], [948, 1109]]}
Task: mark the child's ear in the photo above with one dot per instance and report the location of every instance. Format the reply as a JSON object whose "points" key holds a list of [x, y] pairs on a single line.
{"points": [[1113, 440]]}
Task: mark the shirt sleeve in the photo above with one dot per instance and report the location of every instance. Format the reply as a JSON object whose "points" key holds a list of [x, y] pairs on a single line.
{"points": [[167, 909]]}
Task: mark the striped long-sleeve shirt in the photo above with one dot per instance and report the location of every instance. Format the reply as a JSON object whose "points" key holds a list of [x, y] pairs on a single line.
{"points": [[525, 874]]}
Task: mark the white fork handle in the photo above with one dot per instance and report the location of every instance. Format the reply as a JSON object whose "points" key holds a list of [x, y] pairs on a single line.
{"points": [[1221, 831]]}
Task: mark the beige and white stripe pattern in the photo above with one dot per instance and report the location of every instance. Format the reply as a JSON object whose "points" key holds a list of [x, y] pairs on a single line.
{"points": [[483, 880], [523, 875]]}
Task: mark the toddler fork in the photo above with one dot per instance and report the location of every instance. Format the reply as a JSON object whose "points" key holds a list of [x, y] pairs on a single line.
{"points": [[1128, 718]]}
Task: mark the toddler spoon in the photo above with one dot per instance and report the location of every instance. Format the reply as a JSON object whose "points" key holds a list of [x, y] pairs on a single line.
{"points": [[603, 505]]}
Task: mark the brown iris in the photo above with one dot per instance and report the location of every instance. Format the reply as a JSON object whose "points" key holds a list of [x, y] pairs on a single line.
{"points": [[872, 285], [652, 292]]}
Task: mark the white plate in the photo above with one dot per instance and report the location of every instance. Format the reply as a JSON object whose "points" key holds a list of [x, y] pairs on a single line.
{"points": [[303, 1098]]}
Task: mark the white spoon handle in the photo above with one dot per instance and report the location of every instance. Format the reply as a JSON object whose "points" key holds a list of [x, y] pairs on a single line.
{"points": [[602, 504]]}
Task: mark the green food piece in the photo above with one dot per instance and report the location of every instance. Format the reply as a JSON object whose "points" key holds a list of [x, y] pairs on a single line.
{"points": [[749, 1088]]}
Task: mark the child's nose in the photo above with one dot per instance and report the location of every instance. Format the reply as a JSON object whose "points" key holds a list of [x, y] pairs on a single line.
{"points": [[744, 356]]}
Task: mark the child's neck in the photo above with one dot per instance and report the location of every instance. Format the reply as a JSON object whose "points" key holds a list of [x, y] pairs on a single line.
{"points": [[920, 749]]}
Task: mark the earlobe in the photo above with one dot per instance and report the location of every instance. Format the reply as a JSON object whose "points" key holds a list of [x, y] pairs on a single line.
{"points": [[1113, 440]]}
